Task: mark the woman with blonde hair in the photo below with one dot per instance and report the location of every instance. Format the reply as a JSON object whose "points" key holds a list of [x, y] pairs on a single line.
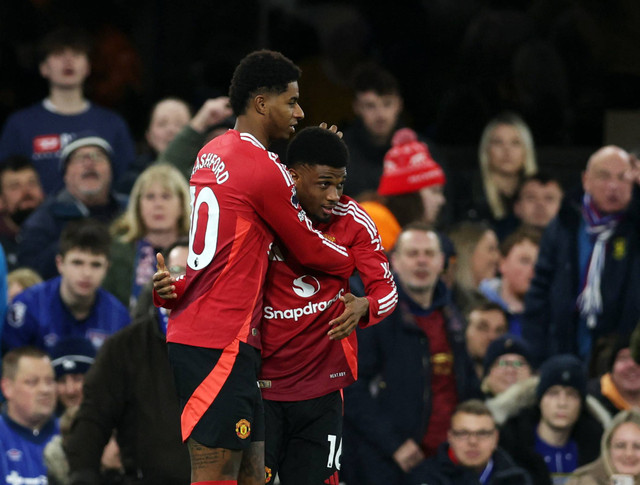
{"points": [[157, 215], [619, 454], [506, 156]]}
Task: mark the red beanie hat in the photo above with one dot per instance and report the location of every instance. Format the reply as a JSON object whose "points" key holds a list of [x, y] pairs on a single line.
{"points": [[408, 166]]}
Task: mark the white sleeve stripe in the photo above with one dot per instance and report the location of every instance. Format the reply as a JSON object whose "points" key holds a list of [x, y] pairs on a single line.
{"points": [[365, 217], [336, 247], [387, 308], [358, 218], [285, 173], [390, 295]]}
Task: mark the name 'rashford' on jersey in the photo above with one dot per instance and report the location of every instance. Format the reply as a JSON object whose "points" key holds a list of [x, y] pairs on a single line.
{"points": [[241, 198], [299, 361]]}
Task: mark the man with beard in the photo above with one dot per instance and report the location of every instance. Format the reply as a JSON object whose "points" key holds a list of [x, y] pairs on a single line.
{"points": [[85, 164], [20, 194]]}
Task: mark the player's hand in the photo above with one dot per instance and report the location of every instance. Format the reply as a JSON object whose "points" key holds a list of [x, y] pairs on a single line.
{"points": [[354, 309], [213, 111], [332, 129], [163, 283], [408, 456]]}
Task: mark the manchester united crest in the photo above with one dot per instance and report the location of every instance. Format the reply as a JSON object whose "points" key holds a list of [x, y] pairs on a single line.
{"points": [[267, 474], [243, 429]]}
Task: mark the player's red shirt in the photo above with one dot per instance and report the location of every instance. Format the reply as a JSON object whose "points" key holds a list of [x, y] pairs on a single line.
{"points": [[241, 195], [298, 360]]}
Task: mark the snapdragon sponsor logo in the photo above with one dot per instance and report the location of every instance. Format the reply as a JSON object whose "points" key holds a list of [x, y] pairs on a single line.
{"points": [[306, 286], [294, 314]]}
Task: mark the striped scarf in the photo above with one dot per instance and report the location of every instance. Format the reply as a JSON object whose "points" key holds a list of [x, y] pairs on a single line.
{"points": [[600, 227]]}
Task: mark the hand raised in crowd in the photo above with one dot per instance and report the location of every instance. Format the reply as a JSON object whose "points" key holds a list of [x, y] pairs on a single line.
{"points": [[354, 309], [408, 455], [213, 111], [163, 283], [332, 129]]}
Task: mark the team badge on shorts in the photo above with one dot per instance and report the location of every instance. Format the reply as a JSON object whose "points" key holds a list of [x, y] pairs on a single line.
{"points": [[267, 474], [243, 429]]}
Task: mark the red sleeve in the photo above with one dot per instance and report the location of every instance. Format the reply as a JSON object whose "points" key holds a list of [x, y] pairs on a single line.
{"points": [[277, 203], [170, 304], [373, 266]]}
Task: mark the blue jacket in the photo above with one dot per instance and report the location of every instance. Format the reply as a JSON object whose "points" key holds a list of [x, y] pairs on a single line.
{"points": [[40, 134], [391, 400], [21, 451], [39, 317], [39, 235], [551, 318]]}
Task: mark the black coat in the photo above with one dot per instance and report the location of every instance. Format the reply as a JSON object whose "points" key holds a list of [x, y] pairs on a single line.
{"points": [[517, 436]]}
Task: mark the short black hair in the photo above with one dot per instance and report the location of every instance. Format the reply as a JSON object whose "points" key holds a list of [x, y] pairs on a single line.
{"points": [[62, 38], [370, 76], [262, 71], [317, 146], [86, 235], [15, 163], [543, 178]]}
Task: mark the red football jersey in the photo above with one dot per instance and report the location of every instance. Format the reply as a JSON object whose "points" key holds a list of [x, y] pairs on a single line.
{"points": [[240, 196], [298, 360]]}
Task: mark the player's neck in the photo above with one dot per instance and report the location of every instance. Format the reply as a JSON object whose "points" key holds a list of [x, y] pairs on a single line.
{"points": [[67, 101], [247, 124]]}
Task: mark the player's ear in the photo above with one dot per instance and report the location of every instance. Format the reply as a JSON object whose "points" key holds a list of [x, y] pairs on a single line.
{"points": [[294, 174], [260, 104]]}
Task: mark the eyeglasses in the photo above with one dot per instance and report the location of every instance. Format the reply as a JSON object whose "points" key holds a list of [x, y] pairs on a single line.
{"points": [[97, 156], [516, 364], [465, 434]]}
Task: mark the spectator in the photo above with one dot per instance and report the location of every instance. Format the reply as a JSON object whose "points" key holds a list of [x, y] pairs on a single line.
{"points": [[619, 388], [136, 397], [506, 155], [27, 422], [538, 200], [506, 362], [71, 358], [168, 117], [471, 453], [588, 269], [486, 322], [378, 105], [212, 119], [43, 130], [519, 252], [72, 304], [619, 453], [19, 280], [411, 188], [86, 166], [413, 369], [20, 194], [158, 213], [559, 431], [477, 258]]}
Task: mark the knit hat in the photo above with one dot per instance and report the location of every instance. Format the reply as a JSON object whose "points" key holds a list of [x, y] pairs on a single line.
{"points": [[72, 355], [562, 370], [506, 344], [83, 139], [408, 166]]}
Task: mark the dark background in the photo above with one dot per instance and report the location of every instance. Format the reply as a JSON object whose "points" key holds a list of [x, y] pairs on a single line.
{"points": [[568, 67]]}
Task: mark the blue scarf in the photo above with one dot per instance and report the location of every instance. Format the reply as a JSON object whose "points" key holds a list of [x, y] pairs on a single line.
{"points": [[601, 228]]}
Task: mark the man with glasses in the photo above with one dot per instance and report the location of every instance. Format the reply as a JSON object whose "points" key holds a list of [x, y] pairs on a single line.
{"points": [[86, 168], [413, 369], [505, 363], [471, 454]]}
